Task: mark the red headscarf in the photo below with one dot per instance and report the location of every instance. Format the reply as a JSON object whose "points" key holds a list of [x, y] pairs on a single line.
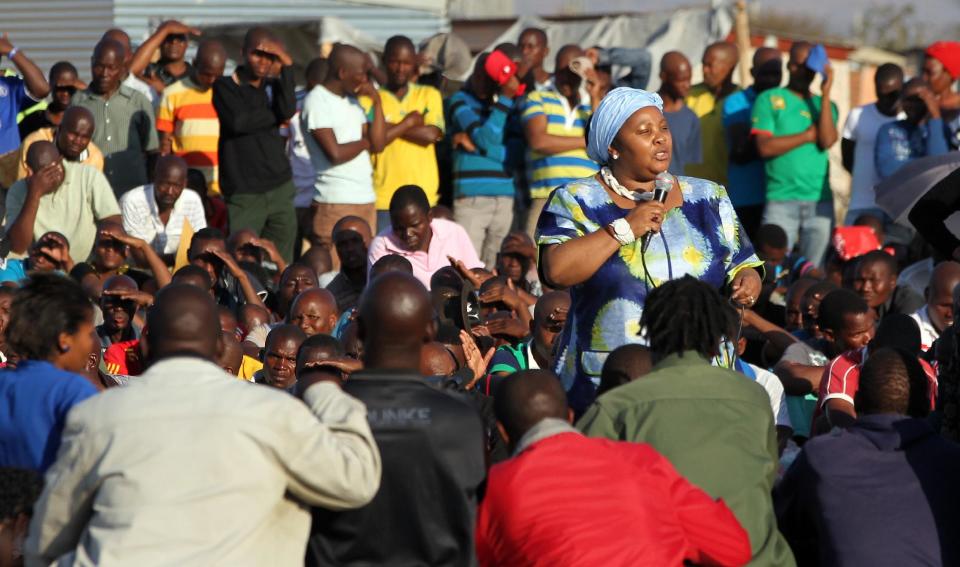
{"points": [[947, 53]]}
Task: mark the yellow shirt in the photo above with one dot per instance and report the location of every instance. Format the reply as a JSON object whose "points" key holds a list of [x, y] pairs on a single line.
{"points": [[715, 154], [93, 156], [402, 162], [248, 368]]}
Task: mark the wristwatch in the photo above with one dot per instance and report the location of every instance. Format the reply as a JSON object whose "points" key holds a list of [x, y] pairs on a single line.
{"points": [[13, 52], [621, 231]]}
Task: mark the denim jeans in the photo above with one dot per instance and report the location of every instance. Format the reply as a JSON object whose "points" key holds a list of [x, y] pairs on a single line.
{"points": [[806, 223]]}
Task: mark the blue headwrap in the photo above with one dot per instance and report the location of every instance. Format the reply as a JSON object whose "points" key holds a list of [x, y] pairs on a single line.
{"points": [[615, 108]]}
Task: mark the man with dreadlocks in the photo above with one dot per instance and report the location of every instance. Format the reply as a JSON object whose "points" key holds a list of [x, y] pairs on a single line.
{"points": [[714, 426]]}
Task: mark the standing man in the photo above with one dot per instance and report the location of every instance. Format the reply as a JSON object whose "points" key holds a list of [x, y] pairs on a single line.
{"points": [[255, 178], [684, 124], [414, 124], [64, 83], [706, 101], [123, 117], [746, 179], [920, 134], [431, 443], [534, 50], [941, 68], [794, 129], [171, 40], [341, 139], [859, 140], [187, 120], [129, 79], [16, 94], [483, 177], [160, 212], [161, 456], [554, 119]]}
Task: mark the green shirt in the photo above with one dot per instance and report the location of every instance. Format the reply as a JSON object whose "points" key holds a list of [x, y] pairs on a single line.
{"points": [[803, 173], [73, 209], [715, 426], [124, 132]]}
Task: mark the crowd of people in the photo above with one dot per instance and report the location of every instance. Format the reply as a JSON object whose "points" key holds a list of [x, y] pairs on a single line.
{"points": [[532, 318]]}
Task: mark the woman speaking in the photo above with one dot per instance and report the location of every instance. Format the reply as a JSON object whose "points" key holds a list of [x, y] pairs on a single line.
{"points": [[591, 237]]}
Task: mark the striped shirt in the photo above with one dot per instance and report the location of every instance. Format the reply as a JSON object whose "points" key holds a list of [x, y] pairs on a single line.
{"points": [[488, 172], [124, 133], [546, 172], [187, 112], [141, 218]]}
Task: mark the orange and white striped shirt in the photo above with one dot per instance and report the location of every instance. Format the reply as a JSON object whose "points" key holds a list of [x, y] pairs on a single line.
{"points": [[187, 112]]}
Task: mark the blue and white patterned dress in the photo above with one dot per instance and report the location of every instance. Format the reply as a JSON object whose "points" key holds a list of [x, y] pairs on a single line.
{"points": [[702, 238]]}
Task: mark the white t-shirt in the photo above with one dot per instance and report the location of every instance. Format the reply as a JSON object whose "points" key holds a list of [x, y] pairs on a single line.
{"points": [[928, 333], [350, 182], [141, 217], [778, 402], [861, 127]]}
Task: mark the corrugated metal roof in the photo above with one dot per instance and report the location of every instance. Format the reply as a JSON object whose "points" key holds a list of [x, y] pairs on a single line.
{"points": [[68, 29], [139, 17]]}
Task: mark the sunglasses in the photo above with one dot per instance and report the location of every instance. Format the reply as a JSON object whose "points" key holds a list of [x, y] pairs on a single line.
{"points": [[67, 89]]}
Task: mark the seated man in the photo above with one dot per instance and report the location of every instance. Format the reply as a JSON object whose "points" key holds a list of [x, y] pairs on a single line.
{"points": [[881, 491], [232, 285], [72, 138], [280, 357], [875, 280], [51, 252], [844, 322], [119, 304], [662, 519], [428, 244], [315, 312], [939, 312], [351, 239], [58, 195], [161, 211], [841, 380], [624, 365], [111, 256]]}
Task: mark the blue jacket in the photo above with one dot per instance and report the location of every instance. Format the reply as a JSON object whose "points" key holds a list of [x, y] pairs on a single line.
{"points": [[489, 171], [884, 493]]}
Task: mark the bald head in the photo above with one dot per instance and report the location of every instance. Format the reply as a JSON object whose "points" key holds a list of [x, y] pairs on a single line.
{"points": [[171, 166], [344, 59], [566, 54], [944, 280], [767, 69], [625, 364], [183, 319], [525, 399], [719, 60], [255, 36], [436, 360], [314, 311], [764, 54], [209, 63], [673, 62], [231, 353], [109, 46], [211, 53], [41, 154], [119, 36], [356, 224], [120, 283], [395, 319]]}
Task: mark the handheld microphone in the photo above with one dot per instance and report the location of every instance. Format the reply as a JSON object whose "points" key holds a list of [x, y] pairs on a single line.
{"points": [[662, 186]]}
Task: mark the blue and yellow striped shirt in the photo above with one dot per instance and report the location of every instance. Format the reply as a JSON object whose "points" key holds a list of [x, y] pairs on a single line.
{"points": [[547, 172]]}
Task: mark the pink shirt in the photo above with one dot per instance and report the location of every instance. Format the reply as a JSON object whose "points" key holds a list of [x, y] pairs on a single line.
{"points": [[449, 239]]}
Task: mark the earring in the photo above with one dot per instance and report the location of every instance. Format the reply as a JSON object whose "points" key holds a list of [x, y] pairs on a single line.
{"points": [[616, 156], [65, 349]]}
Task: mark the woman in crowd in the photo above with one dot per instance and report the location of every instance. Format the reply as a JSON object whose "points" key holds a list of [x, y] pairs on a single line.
{"points": [[591, 230]]}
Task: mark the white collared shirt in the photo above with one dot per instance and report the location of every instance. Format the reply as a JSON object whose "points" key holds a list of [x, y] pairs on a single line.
{"points": [[141, 217]]}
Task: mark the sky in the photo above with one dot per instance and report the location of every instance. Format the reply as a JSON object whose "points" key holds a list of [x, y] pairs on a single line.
{"points": [[940, 19]]}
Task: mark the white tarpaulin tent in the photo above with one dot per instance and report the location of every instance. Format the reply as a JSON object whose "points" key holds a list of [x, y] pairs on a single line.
{"points": [[689, 31]]}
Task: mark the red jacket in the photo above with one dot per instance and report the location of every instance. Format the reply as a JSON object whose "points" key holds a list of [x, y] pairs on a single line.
{"points": [[574, 500]]}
